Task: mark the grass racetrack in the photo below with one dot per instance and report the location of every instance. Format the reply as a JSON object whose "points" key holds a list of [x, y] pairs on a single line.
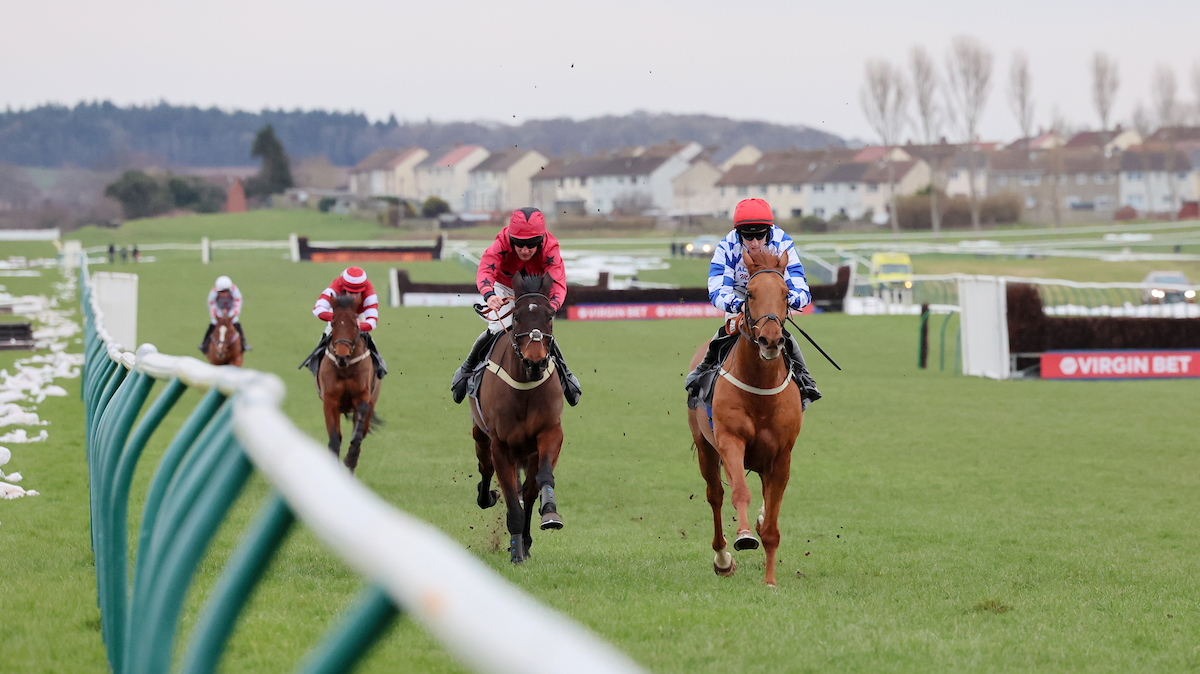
{"points": [[933, 522]]}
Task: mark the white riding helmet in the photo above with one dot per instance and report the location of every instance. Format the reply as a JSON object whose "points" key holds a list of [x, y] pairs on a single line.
{"points": [[224, 283]]}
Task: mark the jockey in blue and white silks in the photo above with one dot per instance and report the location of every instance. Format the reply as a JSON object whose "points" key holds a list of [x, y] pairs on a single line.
{"points": [[754, 230], [727, 275]]}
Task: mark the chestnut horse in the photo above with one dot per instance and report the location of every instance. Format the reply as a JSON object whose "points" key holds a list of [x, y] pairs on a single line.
{"points": [[756, 416], [225, 345], [346, 379], [517, 416]]}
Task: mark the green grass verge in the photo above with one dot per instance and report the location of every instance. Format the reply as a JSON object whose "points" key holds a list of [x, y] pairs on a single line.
{"points": [[932, 523]]}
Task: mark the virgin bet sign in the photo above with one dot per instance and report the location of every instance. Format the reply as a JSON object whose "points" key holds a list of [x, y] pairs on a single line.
{"points": [[1120, 364]]}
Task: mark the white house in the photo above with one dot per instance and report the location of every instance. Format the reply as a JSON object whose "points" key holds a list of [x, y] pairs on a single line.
{"points": [[694, 191], [502, 181], [631, 180], [446, 177], [1156, 181], [388, 173]]}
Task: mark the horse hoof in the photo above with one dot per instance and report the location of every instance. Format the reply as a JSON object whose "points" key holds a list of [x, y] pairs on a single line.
{"points": [[551, 521], [490, 500], [726, 573], [745, 541]]}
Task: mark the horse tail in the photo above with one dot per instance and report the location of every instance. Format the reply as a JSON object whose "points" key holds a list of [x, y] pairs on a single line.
{"points": [[376, 420]]}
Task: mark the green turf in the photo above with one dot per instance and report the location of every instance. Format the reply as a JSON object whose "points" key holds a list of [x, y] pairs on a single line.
{"points": [[933, 522]]}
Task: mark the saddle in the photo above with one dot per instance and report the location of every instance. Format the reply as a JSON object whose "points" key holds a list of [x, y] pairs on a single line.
{"points": [[313, 361], [701, 383]]}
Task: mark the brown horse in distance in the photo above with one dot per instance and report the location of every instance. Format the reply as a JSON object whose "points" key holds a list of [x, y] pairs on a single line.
{"points": [[225, 346], [756, 416], [517, 422], [346, 379]]}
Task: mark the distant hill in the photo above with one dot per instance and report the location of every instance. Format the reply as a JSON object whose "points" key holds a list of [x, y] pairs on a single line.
{"points": [[105, 136]]}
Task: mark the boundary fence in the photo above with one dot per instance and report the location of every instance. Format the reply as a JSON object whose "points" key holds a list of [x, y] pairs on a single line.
{"points": [[236, 428]]}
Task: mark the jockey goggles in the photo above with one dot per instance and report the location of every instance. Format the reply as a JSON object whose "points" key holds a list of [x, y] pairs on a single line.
{"points": [[532, 242], [753, 233]]}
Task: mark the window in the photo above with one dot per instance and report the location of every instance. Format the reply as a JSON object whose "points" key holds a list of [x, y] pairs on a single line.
{"points": [[620, 180], [561, 182], [1134, 175], [1098, 179], [1136, 201], [797, 188], [1081, 179], [872, 187], [762, 189], [583, 181], [1030, 179], [743, 190], [819, 212], [1181, 175], [1104, 203], [818, 187], [954, 175], [779, 189], [797, 212], [722, 191], [1002, 180], [1030, 202], [853, 187]]}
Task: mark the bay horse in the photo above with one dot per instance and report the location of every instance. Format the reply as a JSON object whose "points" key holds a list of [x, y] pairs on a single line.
{"points": [[225, 346], [756, 416], [517, 416], [346, 379]]}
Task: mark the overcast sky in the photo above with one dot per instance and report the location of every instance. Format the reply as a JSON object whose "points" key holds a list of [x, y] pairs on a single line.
{"points": [[789, 62]]}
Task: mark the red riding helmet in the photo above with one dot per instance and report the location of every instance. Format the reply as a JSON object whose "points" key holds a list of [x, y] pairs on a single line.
{"points": [[526, 223], [753, 215], [354, 280]]}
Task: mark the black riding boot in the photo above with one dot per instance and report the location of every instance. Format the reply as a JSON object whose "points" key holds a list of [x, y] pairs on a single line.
{"points": [[376, 357], [313, 362], [241, 333], [808, 387], [570, 385], [207, 336], [709, 362], [479, 351]]}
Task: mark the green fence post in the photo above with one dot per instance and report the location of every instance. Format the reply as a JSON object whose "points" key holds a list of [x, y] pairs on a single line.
{"points": [[355, 634], [229, 597], [166, 603]]}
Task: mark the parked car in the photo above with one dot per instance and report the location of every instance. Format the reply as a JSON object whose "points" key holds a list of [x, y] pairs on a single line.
{"points": [[703, 246], [891, 271], [1160, 295]]}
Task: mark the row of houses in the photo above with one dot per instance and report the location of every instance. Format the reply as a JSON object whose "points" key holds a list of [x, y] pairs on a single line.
{"points": [[1086, 177]]}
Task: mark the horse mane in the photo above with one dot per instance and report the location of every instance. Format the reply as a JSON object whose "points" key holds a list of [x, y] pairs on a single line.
{"points": [[535, 283], [344, 301], [764, 259]]}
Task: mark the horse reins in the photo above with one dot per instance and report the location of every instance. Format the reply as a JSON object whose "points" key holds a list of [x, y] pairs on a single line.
{"points": [[350, 342], [535, 335]]}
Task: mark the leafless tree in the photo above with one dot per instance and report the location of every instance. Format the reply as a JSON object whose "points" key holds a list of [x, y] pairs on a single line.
{"points": [[929, 120], [884, 100], [1020, 93], [1105, 81], [1163, 93], [1196, 89], [968, 83], [1055, 167], [1141, 121]]}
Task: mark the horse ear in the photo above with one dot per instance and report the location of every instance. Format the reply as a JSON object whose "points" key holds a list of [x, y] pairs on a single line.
{"points": [[547, 284], [519, 284], [781, 261]]}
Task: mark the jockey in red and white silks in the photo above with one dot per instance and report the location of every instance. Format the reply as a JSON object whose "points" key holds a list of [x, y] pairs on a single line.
{"points": [[352, 280]]}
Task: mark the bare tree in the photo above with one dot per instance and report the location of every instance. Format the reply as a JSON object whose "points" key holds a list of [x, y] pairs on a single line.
{"points": [[1196, 89], [884, 100], [1020, 94], [1054, 166], [1163, 92], [968, 83], [1141, 120], [1105, 81], [929, 120]]}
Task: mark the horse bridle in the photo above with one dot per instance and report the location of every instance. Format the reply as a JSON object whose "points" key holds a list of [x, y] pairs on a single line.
{"points": [[534, 335], [350, 343], [747, 318]]}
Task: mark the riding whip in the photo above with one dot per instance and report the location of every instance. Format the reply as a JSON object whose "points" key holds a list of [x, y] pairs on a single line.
{"points": [[814, 343]]}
